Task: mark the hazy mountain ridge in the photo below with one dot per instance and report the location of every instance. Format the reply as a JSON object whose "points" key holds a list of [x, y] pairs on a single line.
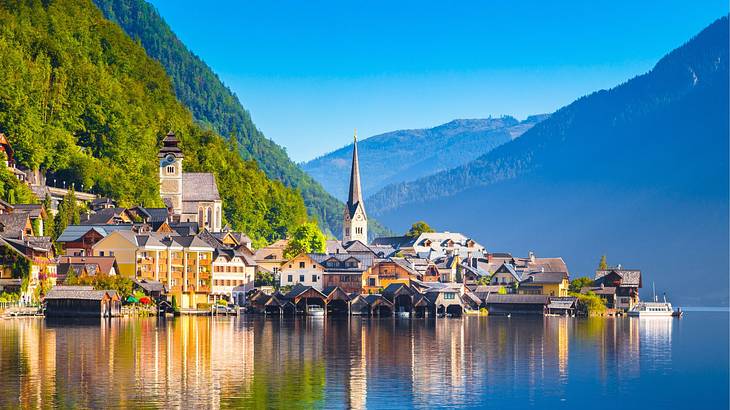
{"points": [[638, 172], [406, 155]]}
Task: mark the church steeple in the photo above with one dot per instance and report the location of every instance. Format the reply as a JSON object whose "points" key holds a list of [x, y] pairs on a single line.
{"points": [[355, 225], [355, 196]]}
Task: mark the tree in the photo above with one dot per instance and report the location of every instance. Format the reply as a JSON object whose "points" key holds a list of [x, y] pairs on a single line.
{"points": [[48, 225], [459, 276], [68, 213], [418, 228], [306, 238], [579, 283], [603, 265]]}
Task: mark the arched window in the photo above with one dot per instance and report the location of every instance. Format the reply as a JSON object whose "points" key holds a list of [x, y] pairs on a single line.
{"points": [[200, 216], [209, 219]]}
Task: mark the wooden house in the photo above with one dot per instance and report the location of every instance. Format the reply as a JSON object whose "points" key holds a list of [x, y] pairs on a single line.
{"points": [[82, 301]]}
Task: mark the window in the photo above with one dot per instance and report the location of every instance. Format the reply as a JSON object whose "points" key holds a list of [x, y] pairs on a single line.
{"points": [[111, 253], [275, 269], [301, 265], [347, 231], [101, 253], [289, 279], [301, 278], [173, 282], [449, 296], [371, 282], [314, 278], [170, 169]]}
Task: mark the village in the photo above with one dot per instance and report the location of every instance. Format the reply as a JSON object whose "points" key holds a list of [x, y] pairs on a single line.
{"points": [[181, 260]]}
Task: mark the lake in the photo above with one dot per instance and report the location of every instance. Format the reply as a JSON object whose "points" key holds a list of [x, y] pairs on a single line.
{"points": [[249, 361]]}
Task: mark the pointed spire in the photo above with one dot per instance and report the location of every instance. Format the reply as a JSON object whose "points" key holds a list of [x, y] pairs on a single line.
{"points": [[355, 196]]}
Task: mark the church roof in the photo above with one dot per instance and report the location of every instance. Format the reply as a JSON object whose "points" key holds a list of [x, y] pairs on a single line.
{"points": [[354, 198], [200, 186]]}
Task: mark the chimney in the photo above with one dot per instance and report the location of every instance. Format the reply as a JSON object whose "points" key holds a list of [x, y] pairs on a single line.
{"points": [[532, 256]]}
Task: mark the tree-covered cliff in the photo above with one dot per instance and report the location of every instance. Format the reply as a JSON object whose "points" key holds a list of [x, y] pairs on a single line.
{"points": [[217, 107], [83, 101]]}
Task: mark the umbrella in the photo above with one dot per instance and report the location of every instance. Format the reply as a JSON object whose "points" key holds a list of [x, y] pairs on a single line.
{"points": [[145, 300], [132, 299]]}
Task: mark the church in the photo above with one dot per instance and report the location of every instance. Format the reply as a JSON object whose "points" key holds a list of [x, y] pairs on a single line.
{"points": [[192, 196], [355, 220]]}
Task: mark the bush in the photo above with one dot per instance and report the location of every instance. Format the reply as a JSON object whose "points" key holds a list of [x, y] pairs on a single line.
{"points": [[590, 304]]}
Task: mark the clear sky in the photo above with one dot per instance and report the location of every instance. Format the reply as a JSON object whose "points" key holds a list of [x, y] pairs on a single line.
{"points": [[311, 71]]}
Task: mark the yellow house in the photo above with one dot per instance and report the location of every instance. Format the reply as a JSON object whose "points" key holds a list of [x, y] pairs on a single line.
{"points": [[181, 263], [545, 283], [270, 258], [386, 272]]}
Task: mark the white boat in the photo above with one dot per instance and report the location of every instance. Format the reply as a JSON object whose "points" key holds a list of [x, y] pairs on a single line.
{"points": [[651, 309], [654, 309], [404, 314], [314, 310]]}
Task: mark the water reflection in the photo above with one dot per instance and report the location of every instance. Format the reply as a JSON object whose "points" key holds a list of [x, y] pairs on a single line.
{"points": [[305, 362]]}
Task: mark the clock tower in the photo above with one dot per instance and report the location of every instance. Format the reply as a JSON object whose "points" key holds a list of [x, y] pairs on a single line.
{"points": [[171, 175], [355, 221]]}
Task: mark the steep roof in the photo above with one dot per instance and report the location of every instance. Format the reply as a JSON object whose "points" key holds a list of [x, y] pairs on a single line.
{"points": [[13, 225], [170, 146], [546, 278], [75, 292], [102, 216], [199, 186], [354, 199], [104, 263], [33, 210], [516, 299], [629, 277]]}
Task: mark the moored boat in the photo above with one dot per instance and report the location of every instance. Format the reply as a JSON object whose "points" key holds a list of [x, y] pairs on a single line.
{"points": [[314, 310]]}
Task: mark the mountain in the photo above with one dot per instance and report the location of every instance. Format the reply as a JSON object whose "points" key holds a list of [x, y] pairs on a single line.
{"points": [[638, 172], [82, 100], [406, 155], [215, 106]]}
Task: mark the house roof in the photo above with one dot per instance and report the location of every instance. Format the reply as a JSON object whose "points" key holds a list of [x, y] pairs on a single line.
{"points": [[493, 298], [33, 210], [104, 263], [629, 277], [170, 146], [75, 232], [200, 186], [102, 216], [150, 285], [75, 292], [598, 290], [562, 303], [271, 253], [185, 228], [545, 278], [334, 246], [394, 241], [13, 225]]}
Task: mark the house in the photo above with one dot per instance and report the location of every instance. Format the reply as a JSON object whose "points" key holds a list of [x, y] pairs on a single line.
{"points": [[270, 258], [446, 300], [36, 213], [434, 244], [626, 281], [30, 258], [302, 269], [345, 271], [231, 269], [86, 265], [506, 276], [152, 288], [102, 203], [107, 216], [79, 240], [15, 226], [371, 305], [562, 306], [182, 263], [192, 196], [545, 283], [388, 271], [82, 301]]}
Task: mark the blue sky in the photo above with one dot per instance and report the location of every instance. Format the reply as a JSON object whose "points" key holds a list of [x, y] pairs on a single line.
{"points": [[311, 71]]}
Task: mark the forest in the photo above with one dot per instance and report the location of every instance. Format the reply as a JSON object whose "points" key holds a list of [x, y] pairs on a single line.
{"points": [[82, 101]]}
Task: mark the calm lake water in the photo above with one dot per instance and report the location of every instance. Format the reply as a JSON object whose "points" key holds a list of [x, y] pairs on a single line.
{"points": [[491, 362]]}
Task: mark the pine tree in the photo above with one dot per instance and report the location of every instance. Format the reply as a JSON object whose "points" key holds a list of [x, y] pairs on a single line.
{"points": [[603, 265]]}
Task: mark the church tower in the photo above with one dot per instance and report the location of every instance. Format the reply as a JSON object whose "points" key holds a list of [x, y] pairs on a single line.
{"points": [[171, 173], [355, 221]]}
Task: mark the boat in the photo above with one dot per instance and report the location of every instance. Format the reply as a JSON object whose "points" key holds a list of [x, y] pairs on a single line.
{"points": [[404, 314], [314, 310], [654, 309]]}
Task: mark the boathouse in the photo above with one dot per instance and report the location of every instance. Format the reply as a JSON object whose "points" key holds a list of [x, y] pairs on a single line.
{"points": [[82, 301], [517, 304]]}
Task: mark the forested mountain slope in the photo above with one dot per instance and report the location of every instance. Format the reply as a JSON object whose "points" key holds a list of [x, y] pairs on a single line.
{"points": [[406, 155], [213, 104], [84, 101]]}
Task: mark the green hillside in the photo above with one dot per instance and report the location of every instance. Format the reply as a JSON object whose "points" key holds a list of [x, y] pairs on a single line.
{"points": [[215, 106], [82, 100]]}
